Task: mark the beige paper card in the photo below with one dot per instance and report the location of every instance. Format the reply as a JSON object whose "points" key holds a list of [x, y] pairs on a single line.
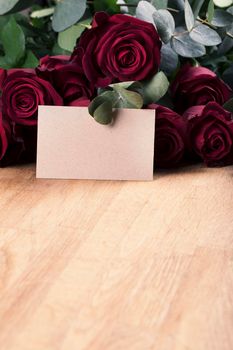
{"points": [[72, 145]]}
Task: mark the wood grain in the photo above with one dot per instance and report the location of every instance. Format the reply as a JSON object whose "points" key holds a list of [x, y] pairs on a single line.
{"points": [[88, 265]]}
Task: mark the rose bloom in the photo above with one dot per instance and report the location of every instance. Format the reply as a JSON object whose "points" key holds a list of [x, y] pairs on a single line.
{"points": [[197, 86], [118, 48], [66, 77], [170, 132], [5, 134], [22, 92], [210, 133]]}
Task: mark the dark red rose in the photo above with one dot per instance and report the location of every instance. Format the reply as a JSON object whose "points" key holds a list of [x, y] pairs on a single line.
{"points": [[170, 132], [66, 77], [210, 133], [118, 48], [5, 134], [80, 103], [22, 92], [197, 86], [2, 77]]}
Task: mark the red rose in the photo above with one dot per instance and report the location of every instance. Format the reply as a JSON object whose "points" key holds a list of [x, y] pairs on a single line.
{"points": [[22, 92], [170, 132], [5, 133], [197, 86], [210, 133], [2, 77], [119, 48], [66, 77]]}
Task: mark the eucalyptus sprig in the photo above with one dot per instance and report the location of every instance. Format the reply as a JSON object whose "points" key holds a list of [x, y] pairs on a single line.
{"points": [[127, 95]]}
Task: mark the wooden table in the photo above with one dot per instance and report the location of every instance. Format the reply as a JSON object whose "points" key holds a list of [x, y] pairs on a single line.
{"points": [[88, 265]]}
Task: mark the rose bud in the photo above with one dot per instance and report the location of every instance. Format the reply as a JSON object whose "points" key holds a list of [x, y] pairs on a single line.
{"points": [[66, 77], [197, 86], [210, 133], [170, 131], [118, 48], [22, 92]]}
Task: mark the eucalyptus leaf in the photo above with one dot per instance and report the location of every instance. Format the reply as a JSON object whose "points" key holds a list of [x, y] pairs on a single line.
{"points": [[223, 3], [14, 5], [42, 13], [128, 99], [189, 16], [144, 11], [222, 18], [160, 4], [197, 5], [185, 46], [155, 88], [176, 4], [104, 113], [210, 11], [165, 24], [205, 35], [67, 39], [169, 59], [110, 96], [67, 13]]}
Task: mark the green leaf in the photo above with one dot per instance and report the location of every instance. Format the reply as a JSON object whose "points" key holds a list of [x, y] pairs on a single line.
{"points": [[205, 35], [165, 24], [197, 5], [160, 4], [169, 59], [14, 5], [155, 88], [13, 41], [104, 113], [189, 16], [229, 105], [67, 13], [222, 18], [223, 3], [185, 46], [210, 11], [31, 61], [42, 13], [145, 11], [67, 39], [128, 99]]}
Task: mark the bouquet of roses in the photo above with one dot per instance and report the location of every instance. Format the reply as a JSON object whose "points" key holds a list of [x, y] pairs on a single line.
{"points": [[160, 59]]}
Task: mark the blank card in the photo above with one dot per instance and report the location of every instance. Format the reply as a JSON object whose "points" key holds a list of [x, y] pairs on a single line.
{"points": [[72, 145]]}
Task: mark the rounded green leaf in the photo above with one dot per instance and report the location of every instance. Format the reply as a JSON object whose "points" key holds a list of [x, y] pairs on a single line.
{"points": [[144, 11], [223, 3], [104, 113], [185, 46], [222, 18], [205, 35], [13, 5], [155, 88], [67, 13], [189, 16], [67, 39], [165, 24], [128, 99]]}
